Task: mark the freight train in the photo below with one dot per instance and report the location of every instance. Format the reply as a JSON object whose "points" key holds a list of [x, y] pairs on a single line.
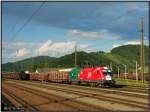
{"points": [[94, 76]]}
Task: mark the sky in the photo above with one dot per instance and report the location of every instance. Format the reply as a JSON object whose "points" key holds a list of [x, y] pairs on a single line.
{"points": [[54, 28]]}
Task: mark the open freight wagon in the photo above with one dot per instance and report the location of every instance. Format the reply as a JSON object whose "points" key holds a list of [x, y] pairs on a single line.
{"points": [[18, 76]]}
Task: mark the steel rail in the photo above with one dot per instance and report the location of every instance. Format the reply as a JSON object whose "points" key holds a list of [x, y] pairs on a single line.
{"points": [[127, 102]]}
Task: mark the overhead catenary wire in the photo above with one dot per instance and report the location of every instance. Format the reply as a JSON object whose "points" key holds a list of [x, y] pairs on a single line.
{"points": [[25, 23], [40, 8], [118, 17], [13, 27], [28, 20], [115, 19]]}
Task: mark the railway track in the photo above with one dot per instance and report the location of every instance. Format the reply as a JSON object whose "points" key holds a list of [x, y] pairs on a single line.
{"points": [[74, 105], [119, 91], [129, 88], [138, 104], [101, 97], [121, 88], [24, 104], [124, 91]]}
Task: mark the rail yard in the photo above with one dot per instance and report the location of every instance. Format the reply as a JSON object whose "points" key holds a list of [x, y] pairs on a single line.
{"points": [[47, 96], [75, 57]]}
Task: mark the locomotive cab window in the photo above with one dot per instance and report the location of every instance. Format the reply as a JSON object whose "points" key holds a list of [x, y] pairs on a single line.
{"points": [[107, 72], [98, 72]]}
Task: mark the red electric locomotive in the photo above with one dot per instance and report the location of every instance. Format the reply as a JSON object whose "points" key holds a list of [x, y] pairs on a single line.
{"points": [[96, 76]]}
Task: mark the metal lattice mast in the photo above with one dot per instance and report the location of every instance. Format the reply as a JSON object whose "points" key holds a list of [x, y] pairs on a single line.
{"points": [[142, 49], [45, 62], [33, 64], [75, 55]]}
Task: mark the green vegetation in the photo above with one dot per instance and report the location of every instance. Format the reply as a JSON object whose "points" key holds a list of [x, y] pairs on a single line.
{"points": [[130, 82], [130, 52], [118, 56]]}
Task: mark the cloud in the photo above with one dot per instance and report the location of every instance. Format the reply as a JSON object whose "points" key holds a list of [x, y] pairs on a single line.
{"points": [[20, 53], [127, 43], [19, 49], [116, 45], [19, 44], [45, 47], [68, 15], [92, 17], [137, 6], [102, 34], [22, 50], [84, 46], [57, 49], [133, 43]]}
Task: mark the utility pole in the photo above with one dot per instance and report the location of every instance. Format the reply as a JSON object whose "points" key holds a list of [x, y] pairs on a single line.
{"points": [[142, 49], [15, 57], [75, 55], [14, 64], [125, 70], [45, 62], [33, 64], [136, 71], [118, 72], [111, 65]]}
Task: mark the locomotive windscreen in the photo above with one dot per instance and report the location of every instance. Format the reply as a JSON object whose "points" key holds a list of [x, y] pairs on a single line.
{"points": [[107, 72]]}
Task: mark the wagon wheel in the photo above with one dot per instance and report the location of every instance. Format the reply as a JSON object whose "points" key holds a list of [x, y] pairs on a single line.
{"points": [[96, 84], [87, 83], [79, 82], [70, 82], [92, 84], [100, 85]]}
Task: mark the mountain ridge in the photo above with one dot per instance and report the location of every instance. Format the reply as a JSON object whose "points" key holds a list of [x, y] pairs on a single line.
{"points": [[126, 54]]}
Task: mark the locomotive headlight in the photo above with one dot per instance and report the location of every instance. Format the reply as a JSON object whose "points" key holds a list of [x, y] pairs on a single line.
{"points": [[105, 67], [108, 77], [109, 70]]}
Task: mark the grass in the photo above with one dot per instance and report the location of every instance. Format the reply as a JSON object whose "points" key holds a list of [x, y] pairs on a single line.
{"points": [[131, 82]]}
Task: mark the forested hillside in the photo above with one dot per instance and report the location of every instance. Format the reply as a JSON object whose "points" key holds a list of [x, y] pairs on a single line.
{"points": [[118, 56]]}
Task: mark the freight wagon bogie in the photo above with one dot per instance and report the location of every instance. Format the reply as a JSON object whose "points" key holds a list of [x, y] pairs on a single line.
{"points": [[105, 83], [101, 83], [75, 82]]}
